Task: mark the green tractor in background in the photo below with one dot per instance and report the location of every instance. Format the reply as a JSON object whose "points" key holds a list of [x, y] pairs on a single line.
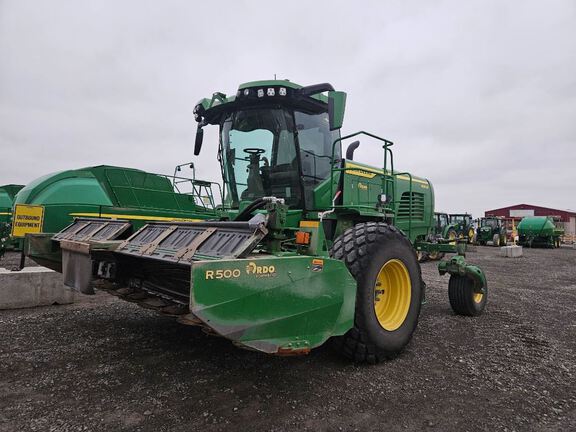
{"points": [[311, 245], [491, 229], [7, 194], [464, 226], [52, 202], [441, 230]]}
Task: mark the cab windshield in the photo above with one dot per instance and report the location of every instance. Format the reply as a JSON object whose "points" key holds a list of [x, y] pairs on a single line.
{"points": [[492, 223], [275, 152], [442, 220]]}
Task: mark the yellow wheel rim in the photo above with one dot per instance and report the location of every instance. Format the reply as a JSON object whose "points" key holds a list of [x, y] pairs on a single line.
{"points": [[392, 294], [478, 297], [471, 234], [452, 237]]}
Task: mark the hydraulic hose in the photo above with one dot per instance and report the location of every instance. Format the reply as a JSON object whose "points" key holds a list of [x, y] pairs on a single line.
{"points": [[245, 214]]}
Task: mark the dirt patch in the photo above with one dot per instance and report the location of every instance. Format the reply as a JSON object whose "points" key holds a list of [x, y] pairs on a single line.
{"points": [[103, 364]]}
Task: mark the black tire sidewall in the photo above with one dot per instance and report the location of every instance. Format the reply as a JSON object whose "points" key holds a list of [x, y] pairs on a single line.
{"points": [[461, 294], [366, 316]]}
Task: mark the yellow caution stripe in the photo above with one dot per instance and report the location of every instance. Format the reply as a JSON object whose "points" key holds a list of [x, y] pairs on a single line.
{"points": [[134, 217]]}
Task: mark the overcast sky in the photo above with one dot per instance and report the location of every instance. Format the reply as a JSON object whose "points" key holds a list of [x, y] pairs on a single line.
{"points": [[478, 96]]}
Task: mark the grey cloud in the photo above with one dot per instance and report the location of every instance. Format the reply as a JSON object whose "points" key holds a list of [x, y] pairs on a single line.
{"points": [[478, 96]]}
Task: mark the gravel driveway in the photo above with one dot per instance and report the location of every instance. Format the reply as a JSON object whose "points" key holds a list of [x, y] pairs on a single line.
{"points": [[106, 365]]}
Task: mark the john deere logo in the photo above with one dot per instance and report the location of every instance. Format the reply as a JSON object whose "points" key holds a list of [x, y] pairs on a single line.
{"points": [[260, 270]]}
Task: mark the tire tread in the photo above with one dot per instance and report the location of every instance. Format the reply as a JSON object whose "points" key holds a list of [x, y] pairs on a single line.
{"points": [[354, 247]]}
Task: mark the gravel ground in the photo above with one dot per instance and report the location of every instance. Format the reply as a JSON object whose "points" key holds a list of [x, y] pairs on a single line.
{"points": [[103, 364], [12, 259]]}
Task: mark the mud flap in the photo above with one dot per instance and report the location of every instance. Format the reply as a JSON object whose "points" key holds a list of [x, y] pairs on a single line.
{"points": [[77, 265], [279, 305], [77, 270]]}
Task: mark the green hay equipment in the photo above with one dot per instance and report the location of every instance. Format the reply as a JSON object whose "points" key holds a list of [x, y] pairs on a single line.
{"points": [[52, 202], [491, 229], [464, 226], [7, 194], [441, 230], [311, 246], [539, 231]]}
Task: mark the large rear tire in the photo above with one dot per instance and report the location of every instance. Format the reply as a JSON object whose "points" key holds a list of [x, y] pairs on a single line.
{"points": [[471, 236], [389, 291], [463, 299], [452, 235]]}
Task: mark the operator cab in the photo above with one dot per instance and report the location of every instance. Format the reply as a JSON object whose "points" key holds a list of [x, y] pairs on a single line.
{"points": [[441, 220], [277, 152], [464, 219], [491, 222], [276, 139]]}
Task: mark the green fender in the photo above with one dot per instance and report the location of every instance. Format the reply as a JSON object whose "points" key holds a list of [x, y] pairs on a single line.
{"points": [[457, 266]]}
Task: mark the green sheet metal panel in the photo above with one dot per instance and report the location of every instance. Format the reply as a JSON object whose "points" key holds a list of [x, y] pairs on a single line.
{"points": [[541, 226], [274, 304], [363, 183], [7, 194]]}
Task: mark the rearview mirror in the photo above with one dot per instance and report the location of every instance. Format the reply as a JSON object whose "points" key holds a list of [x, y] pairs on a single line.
{"points": [[336, 107], [199, 139]]}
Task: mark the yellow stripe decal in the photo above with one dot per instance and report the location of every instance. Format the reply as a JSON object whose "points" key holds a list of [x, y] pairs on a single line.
{"points": [[134, 217], [5, 213], [360, 171], [309, 224], [415, 180], [363, 172]]}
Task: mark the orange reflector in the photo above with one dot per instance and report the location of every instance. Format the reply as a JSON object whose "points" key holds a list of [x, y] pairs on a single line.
{"points": [[302, 237]]}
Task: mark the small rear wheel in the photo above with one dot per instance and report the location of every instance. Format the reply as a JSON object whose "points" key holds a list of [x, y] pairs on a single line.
{"points": [[463, 299], [389, 291]]}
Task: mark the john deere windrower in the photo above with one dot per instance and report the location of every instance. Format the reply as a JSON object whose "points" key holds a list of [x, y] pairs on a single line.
{"points": [[311, 245]]}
